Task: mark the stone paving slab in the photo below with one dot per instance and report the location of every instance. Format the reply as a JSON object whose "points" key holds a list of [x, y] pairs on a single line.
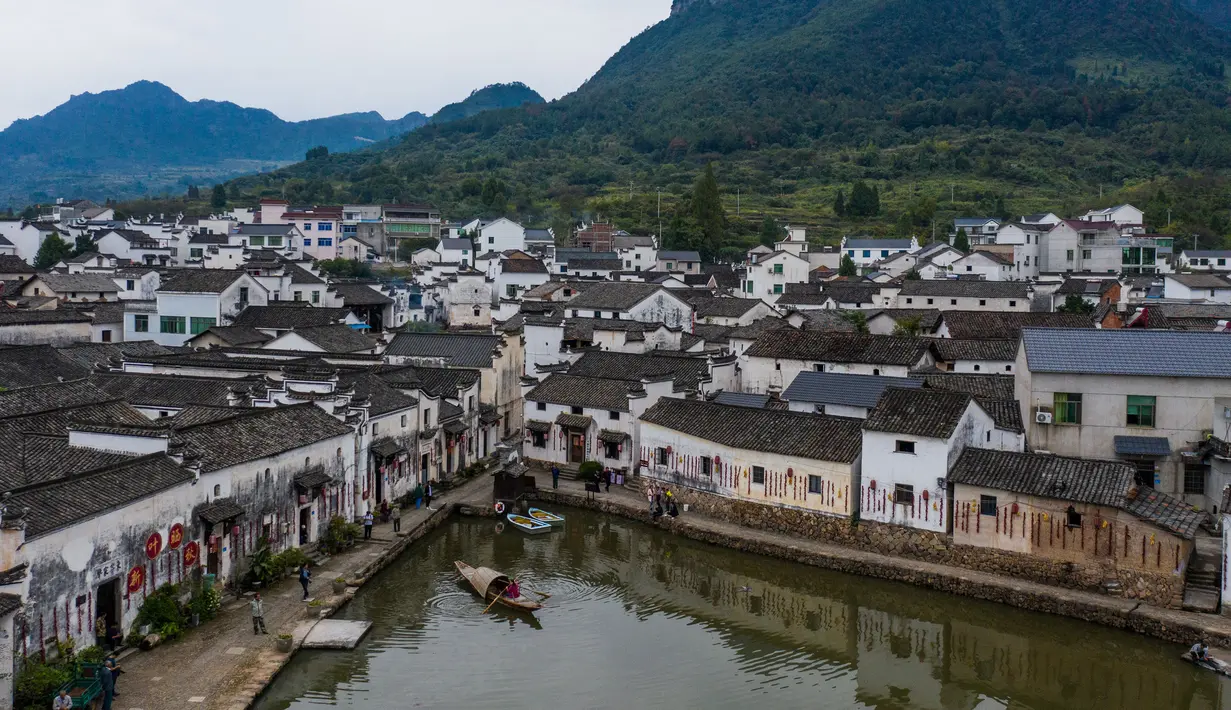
{"points": [[336, 634]]}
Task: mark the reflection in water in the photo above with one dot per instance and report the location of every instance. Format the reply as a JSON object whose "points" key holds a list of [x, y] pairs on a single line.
{"points": [[642, 619]]}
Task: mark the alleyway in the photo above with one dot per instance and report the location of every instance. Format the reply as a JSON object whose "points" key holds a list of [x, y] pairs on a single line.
{"points": [[222, 664]]}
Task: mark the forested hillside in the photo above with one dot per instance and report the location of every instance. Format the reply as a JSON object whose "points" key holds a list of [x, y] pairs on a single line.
{"points": [[946, 106]]}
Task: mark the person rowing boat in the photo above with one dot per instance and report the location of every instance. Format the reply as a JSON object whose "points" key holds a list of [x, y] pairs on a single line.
{"points": [[513, 591]]}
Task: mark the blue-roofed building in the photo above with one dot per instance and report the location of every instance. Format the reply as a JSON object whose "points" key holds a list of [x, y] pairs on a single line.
{"points": [[1153, 398], [840, 394], [865, 252]]}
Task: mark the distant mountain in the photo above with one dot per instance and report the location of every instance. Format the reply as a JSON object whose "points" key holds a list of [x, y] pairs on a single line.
{"points": [[488, 98], [147, 138]]}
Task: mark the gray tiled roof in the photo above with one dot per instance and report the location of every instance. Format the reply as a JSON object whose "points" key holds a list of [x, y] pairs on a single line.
{"points": [[877, 244], [572, 390], [1213, 281], [199, 280], [167, 390], [1165, 511], [679, 256], [806, 436], [336, 338], [918, 412], [1141, 445], [1128, 351], [1006, 413], [522, 266], [1007, 325], [91, 354], [594, 264], [840, 347], [454, 349], [705, 305], [846, 292], [948, 350], [954, 288], [37, 365], [1045, 475], [455, 243], [839, 388], [284, 316], [79, 283], [614, 296], [361, 295], [686, 372], [252, 434], [13, 264], [742, 399], [383, 397], [237, 335]]}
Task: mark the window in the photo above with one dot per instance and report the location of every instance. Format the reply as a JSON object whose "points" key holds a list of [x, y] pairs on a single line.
{"points": [[141, 324], [1068, 255], [491, 240], [707, 467], [816, 484], [1085, 253], [200, 325], [316, 296], [1072, 518], [987, 505], [904, 447], [510, 290], [970, 268], [904, 494], [884, 253], [1140, 411], [298, 295], [929, 301], [777, 268], [307, 242], [540, 406], [819, 408], [777, 366], [818, 367], [275, 241], [129, 284], [669, 266], [576, 410], [611, 450], [1012, 304], [196, 253], [982, 302], [660, 456], [324, 242], [1194, 479], [403, 421], [243, 294], [217, 490], [375, 428], [749, 287], [538, 439], [324, 226], [427, 419], [777, 288], [171, 324], [106, 336], [977, 368], [758, 475], [256, 241], [307, 227], [477, 312], [1067, 407], [613, 416], [1222, 262], [867, 253], [952, 301], [910, 301]]}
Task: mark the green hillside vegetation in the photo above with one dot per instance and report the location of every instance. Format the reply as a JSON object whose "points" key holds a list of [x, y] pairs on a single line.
{"points": [[946, 107]]}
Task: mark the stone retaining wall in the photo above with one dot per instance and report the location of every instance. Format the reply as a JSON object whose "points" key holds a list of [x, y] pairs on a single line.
{"points": [[1178, 627], [1160, 589]]}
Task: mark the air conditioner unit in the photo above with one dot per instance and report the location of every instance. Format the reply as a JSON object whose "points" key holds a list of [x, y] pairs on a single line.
{"points": [[1042, 417]]}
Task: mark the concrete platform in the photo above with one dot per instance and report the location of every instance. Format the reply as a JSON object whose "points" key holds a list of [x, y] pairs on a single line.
{"points": [[336, 634]]}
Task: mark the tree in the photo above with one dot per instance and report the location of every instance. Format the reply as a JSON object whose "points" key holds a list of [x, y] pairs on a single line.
{"points": [[219, 199], [494, 192], [83, 245], [770, 231], [52, 251], [847, 266], [316, 153], [913, 275], [865, 200], [194, 192], [858, 319], [708, 213], [962, 242], [908, 327], [1074, 303], [839, 204]]}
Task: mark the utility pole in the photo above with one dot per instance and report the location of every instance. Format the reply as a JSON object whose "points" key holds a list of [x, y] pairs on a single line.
{"points": [[660, 215], [630, 190], [950, 195], [1168, 216], [737, 202]]}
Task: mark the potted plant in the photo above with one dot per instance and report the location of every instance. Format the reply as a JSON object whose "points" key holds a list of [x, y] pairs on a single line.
{"points": [[284, 643], [339, 585]]}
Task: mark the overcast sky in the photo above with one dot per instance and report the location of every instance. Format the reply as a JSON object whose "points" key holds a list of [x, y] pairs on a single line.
{"points": [[309, 58]]}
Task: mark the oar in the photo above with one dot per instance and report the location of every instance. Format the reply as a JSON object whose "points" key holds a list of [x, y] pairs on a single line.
{"points": [[494, 600], [545, 595]]}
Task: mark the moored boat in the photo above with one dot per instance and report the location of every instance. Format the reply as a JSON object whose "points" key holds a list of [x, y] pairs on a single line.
{"points": [[1213, 664], [490, 585], [527, 525], [545, 517]]}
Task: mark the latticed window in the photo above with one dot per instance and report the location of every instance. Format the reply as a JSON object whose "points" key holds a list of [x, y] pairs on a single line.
{"points": [[1067, 407]]}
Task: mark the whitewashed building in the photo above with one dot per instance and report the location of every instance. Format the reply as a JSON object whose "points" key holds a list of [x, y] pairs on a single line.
{"points": [[778, 356], [768, 277]]}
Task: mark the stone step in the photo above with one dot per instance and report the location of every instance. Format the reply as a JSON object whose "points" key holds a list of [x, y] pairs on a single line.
{"points": [[1201, 600]]}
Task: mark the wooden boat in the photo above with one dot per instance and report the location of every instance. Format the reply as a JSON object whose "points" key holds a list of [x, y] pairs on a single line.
{"points": [[544, 517], [527, 525], [1216, 665], [490, 584]]}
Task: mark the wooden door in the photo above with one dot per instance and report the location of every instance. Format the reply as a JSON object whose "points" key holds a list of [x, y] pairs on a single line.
{"points": [[577, 448]]}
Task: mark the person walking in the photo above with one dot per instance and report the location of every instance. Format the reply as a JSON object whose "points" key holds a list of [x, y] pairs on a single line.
{"points": [[116, 672], [649, 495], [62, 701], [108, 680], [396, 513], [368, 521], [555, 476], [258, 615], [427, 495], [305, 576], [115, 636], [607, 475]]}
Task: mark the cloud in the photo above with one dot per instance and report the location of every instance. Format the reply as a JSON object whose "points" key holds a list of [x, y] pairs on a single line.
{"points": [[310, 58]]}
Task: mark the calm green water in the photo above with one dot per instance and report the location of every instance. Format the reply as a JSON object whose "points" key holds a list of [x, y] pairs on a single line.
{"points": [[641, 619]]}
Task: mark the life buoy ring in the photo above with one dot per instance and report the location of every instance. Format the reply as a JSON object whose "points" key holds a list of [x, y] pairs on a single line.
{"points": [[499, 507]]}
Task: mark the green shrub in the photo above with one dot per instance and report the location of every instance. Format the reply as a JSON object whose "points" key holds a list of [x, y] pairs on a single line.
{"points": [[93, 654], [206, 603], [170, 631], [162, 607], [261, 566], [339, 534], [38, 681], [290, 559], [590, 471]]}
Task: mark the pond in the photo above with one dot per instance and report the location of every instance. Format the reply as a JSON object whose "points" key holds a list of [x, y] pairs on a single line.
{"points": [[639, 618]]}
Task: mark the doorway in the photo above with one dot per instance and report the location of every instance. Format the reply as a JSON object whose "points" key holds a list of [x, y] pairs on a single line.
{"points": [[380, 484], [108, 605], [576, 448], [213, 562], [423, 469], [305, 517]]}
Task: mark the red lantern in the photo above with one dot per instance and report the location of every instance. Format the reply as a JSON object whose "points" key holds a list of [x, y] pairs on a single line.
{"points": [[1015, 508], [717, 460], [668, 450], [925, 496], [790, 473], [872, 485], [234, 531]]}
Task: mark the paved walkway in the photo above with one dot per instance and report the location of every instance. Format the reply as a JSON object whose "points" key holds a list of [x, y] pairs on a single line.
{"points": [[222, 665], [1169, 624]]}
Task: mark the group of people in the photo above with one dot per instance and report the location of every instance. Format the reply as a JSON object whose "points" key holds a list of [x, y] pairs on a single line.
{"points": [[606, 477], [661, 501]]}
